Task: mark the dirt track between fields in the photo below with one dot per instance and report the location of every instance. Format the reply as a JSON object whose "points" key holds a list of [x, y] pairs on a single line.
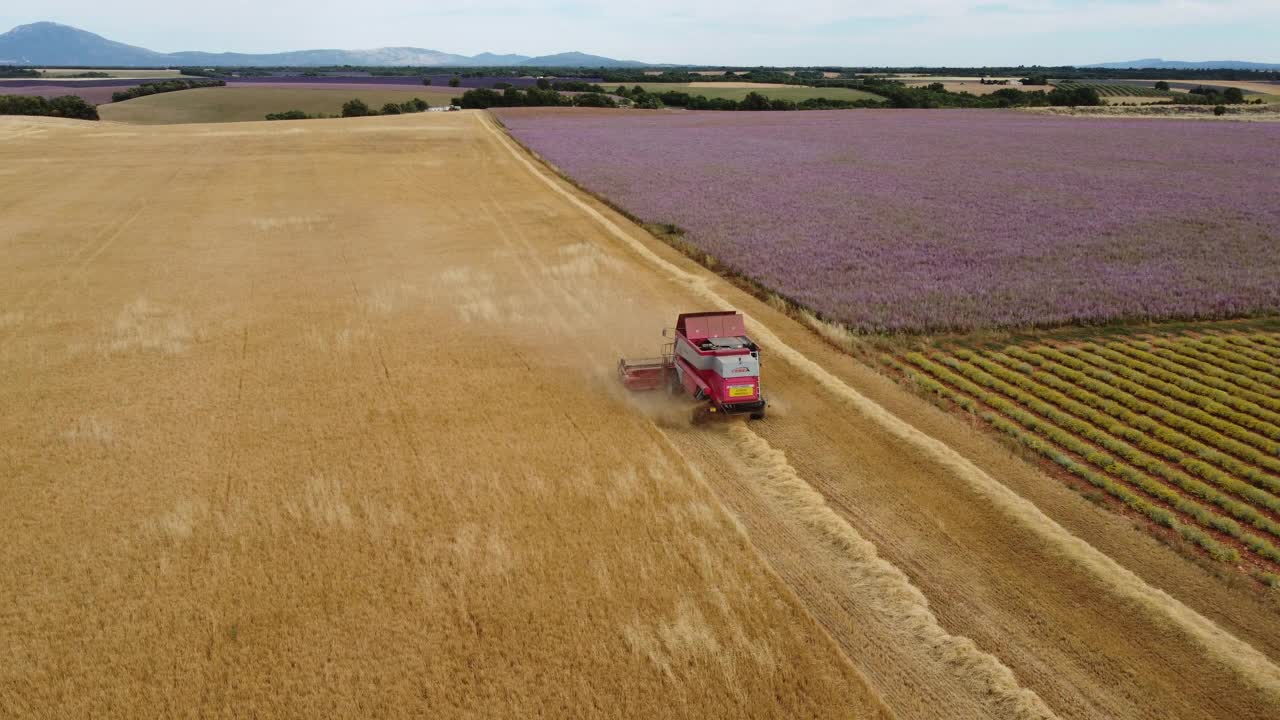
{"points": [[318, 418]]}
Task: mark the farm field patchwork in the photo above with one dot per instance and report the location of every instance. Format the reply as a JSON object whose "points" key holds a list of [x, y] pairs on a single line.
{"points": [[241, 104], [297, 408], [965, 84], [928, 220], [131, 73], [1183, 430]]}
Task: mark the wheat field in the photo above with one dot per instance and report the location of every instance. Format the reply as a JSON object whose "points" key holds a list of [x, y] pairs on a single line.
{"points": [[273, 449]]}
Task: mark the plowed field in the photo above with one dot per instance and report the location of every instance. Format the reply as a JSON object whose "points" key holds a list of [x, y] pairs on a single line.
{"points": [[318, 419]]}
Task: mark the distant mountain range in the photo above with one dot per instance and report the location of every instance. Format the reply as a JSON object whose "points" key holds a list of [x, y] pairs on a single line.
{"points": [[47, 43], [52, 44], [1158, 64]]}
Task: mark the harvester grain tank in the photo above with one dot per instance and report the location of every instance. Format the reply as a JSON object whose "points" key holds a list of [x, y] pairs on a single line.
{"points": [[711, 359]]}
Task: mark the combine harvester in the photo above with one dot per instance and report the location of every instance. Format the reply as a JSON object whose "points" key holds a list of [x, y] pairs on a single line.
{"points": [[710, 359]]}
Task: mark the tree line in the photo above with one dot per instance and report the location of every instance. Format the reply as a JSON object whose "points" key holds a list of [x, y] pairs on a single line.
{"points": [[485, 98], [894, 95], [66, 106], [165, 86], [358, 108]]}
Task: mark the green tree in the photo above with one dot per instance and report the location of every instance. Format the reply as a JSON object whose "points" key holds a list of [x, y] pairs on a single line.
{"points": [[480, 99], [1074, 95], [66, 106], [454, 82], [1233, 96], [1162, 85], [426, 81], [354, 108], [754, 101], [390, 109], [648, 102], [594, 100], [288, 115]]}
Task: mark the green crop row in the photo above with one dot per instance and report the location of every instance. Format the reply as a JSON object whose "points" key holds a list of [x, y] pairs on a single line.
{"points": [[1255, 382], [1201, 409], [1228, 344], [1016, 422], [1128, 431], [1192, 355], [1224, 357], [1155, 513], [1136, 458], [1211, 430], [1210, 375], [929, 385], [1143, 429], [1269, 344], [1245, 401]]}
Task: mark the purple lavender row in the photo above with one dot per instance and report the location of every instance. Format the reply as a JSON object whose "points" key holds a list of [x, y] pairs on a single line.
{"points": [[934, 220]]}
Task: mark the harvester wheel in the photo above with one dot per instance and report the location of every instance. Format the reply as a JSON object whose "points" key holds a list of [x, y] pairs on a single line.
{"points": [[758, 415]]}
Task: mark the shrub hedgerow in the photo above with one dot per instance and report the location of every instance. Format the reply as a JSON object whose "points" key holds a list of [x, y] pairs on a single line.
{"points": [[167, 86], [66, 106]]}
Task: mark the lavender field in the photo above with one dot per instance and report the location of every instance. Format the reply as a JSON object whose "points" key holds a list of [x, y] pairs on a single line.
{"points": [[936, 220]]}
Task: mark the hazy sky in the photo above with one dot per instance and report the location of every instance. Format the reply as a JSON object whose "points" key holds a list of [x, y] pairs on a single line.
{"points": [[742, 32]]}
